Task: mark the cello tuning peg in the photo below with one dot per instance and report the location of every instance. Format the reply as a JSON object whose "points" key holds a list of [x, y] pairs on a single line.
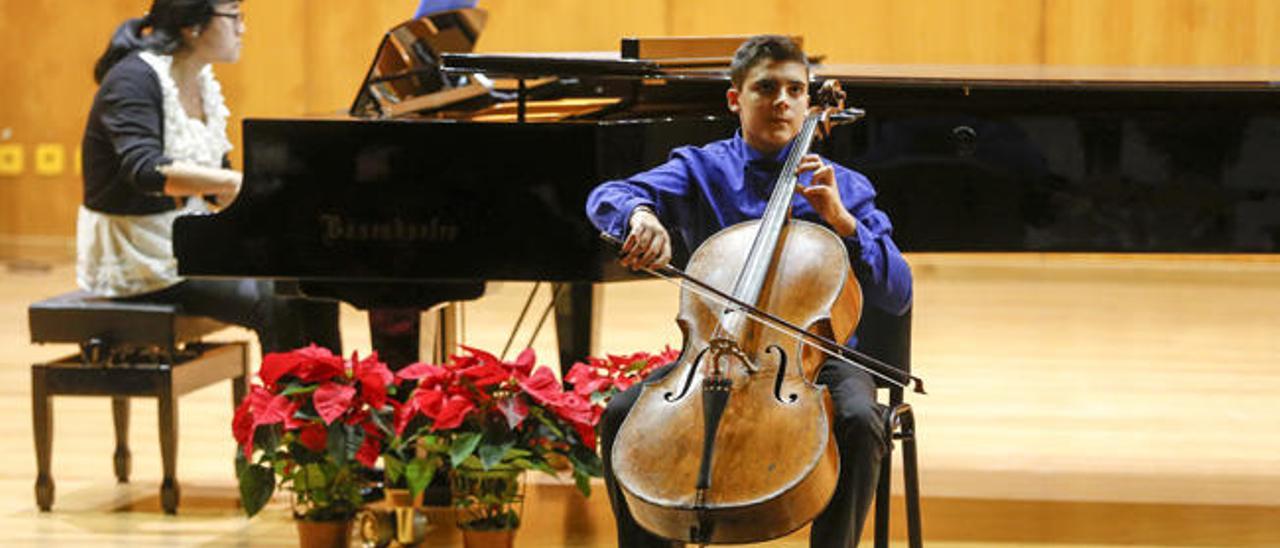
{"points": [[848, 115]]}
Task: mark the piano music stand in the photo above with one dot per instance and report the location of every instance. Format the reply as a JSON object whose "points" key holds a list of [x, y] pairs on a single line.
{"points": [[405, 75]]}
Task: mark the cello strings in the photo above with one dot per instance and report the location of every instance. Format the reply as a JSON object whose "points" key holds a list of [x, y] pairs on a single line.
{"points": [[772, 324]]}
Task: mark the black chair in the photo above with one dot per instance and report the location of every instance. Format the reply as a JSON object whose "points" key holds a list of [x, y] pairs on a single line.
{"points": [[888, 338], [127, 350]]}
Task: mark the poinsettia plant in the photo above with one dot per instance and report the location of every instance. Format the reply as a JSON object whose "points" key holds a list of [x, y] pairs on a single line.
{"points": [[600, 379], [479, 412], [309, 422]]}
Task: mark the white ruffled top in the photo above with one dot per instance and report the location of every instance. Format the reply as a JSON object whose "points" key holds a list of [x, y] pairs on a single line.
{"points": [[123, 255]]}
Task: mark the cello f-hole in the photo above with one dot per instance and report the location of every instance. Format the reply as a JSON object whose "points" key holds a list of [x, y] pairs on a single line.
{"points": [[782, 373], [688, 379]]}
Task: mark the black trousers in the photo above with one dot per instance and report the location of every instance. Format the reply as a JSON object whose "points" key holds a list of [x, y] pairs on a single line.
{"points": [[860, 436], [394, 334], [282, 322]]}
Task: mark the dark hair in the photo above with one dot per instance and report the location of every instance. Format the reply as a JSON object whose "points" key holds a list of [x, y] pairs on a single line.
{"points": [[764, 47], [166, 20]]}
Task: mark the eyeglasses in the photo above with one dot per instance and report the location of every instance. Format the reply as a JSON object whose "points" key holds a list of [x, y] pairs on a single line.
{"points": [[237, 17]]}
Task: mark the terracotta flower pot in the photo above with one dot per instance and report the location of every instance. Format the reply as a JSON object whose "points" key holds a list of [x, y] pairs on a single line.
{"points": [[502, 538], [323, 534]]}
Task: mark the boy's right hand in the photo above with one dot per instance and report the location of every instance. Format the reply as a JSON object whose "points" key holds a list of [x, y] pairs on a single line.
{"points": [[648, 244]]}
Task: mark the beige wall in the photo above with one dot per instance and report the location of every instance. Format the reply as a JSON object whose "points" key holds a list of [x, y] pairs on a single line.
{"points": [[307, 56]]}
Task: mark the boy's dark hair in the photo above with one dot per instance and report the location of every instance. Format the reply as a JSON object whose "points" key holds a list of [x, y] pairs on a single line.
{"points": [[765, 47]]}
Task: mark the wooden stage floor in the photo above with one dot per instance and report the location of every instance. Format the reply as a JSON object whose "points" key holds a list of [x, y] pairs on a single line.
{"points": [[1075, 400]]}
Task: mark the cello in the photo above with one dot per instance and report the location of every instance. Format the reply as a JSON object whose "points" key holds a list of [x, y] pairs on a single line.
{"points": [[735, 444]]}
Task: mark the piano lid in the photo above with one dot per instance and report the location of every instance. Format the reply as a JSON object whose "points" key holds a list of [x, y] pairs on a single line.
{"points": [[406, 75], [1058, 76], [671, 57]]}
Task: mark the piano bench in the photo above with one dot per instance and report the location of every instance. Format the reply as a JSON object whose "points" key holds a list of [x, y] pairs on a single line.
{"points": [[127, 350]]}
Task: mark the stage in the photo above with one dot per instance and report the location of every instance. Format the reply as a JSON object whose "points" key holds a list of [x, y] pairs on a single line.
{"points": [[1074, 400]]}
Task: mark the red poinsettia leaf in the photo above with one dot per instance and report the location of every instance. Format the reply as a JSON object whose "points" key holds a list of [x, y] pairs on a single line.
{"points": [[371, 429], [374, 378], [357, 418], [579, 373], [424, 373], [242, 424], [322, 370], [373, 369], [452, 413], [524, 362], [514, 410], [268, 409], [575, 409], [486, 374], [403, 414], [668, 355], [462, 361], [596, 386], [620, 362], [428, 400], [314, 436], [623, 383], [543, 386], [291, 420], [586, 381], [369, 451], [413, 371], [276, 365], [480, 355], [310, 364], [332, 400], [587, 433]]}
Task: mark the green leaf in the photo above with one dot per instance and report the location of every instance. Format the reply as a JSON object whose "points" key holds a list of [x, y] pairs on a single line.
{"points": [[381, 423], [544, 467], [299, 389], [472, 462], [267, 438], [463, 446], [419, 474], [546, 421], [583, 482], [337, 442], [344, 442], [434, 443], [393, 469], [256, 485], [491, 454], [315, 477], [587, 461]]}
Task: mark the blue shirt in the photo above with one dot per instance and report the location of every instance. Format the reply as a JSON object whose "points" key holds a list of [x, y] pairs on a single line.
{"points": [[428, 7], [701, 190]]}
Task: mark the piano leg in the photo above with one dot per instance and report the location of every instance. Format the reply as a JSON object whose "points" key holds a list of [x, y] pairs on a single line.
{"points": [[442, 332], [394, 335], [577, 324], [399, 334]]}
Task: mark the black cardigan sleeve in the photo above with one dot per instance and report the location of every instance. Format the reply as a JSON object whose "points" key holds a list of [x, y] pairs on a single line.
{"points": [[124, 143], [133, 116]]}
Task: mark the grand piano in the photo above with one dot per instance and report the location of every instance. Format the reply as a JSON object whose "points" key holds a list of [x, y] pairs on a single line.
{"points": [[453, 168]]}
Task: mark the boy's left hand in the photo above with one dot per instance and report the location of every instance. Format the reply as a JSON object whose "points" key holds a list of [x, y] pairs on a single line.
{"points": [[823, 194]]}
